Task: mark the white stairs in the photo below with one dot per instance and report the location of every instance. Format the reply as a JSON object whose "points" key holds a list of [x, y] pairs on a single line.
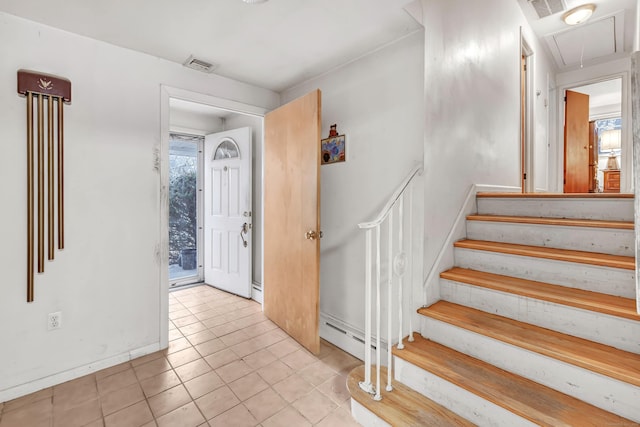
{"points": [[537, 323]]}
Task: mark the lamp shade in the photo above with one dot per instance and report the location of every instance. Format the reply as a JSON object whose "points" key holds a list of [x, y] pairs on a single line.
{"points": [[610, 140]]}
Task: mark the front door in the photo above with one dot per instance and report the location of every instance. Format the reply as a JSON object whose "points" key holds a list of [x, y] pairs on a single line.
{"points": [[227, 211], [576, 143], [292, 219]]}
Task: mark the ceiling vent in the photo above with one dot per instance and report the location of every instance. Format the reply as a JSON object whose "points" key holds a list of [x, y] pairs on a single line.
{"points": [[546, 8], [200, 65]]}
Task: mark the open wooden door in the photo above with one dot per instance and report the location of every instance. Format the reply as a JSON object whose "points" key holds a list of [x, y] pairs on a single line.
{"points": [[576, 143], [292, 219], [593, 158]]}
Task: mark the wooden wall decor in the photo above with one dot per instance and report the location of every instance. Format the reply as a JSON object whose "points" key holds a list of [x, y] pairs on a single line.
{"points": [[48, 93]]}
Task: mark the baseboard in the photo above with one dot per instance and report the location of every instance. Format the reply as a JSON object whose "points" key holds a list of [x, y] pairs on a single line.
{"points": [[445, 259], [256, 292], [61, 377], [348, 338]]}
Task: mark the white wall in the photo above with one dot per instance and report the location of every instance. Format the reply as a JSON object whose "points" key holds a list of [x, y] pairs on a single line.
{"points": [[235, 121], [183, 121], [377, 102], [472, 122], [106, 281]]}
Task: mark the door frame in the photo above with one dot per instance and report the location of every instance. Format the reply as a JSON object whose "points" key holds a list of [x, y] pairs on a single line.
{"points": [[527, 116], [189, 280], [626, 161], [161, 164]]}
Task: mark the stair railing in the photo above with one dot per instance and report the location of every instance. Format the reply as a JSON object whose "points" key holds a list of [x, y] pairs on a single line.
{"points": [[396, 262]]}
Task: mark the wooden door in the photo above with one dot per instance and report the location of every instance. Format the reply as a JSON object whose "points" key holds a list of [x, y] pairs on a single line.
{"points": [[576, 143], [593, 158], [292, 219]]}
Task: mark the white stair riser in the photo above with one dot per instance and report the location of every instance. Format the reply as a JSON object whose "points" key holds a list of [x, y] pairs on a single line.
{"points": [[466, 404], [612, 281], [609, 330], [606, 393], [602, 240], [365, 417], [605, 209]]}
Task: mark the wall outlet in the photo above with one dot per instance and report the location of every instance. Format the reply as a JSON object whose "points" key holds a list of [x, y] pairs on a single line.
{"points": [[54, 320]]}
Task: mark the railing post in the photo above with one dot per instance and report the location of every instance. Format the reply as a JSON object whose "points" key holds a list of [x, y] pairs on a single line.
{"points": [[410, 259], [390, 300], [400, 279], [396, 266], [366, 384], [377, 396]]}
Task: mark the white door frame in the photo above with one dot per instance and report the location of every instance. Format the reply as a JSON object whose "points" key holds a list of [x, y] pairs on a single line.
{"points": [[162, 166], [529, 108], [189, 280], [626, 161]]}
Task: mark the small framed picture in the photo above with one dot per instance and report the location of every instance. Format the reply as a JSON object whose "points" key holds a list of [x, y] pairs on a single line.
{"points": [[333, 148]]}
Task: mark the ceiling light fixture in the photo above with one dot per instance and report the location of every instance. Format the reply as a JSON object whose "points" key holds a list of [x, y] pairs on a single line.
{"points": [[255, 1], [579, 15]]}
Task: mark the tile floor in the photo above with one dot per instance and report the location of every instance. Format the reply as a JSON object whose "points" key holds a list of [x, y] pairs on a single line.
{"points": [[226, 365]]}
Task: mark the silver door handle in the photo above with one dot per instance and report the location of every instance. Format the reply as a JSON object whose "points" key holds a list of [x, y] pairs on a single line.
{"points": [[244, 229]]}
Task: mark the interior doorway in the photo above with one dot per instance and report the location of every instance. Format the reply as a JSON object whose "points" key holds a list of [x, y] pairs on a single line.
{"points": [[607, 168], [526, 116], [196, 114]]}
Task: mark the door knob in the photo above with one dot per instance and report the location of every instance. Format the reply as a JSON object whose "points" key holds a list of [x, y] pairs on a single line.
{"points": [[312, 235]]}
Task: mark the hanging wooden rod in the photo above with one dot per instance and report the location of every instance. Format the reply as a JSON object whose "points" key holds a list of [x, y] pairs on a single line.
{"points": [[42, 88]]}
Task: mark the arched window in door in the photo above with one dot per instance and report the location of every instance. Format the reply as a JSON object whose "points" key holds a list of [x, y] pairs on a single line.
{"points": [[227, 149]]}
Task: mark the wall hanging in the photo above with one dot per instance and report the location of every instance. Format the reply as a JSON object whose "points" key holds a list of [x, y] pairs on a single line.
{"points": [[47, 94], [333, 147]]}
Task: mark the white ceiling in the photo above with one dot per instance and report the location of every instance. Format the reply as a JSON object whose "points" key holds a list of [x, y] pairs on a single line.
{"points": [[607, 35], [274, 45]]}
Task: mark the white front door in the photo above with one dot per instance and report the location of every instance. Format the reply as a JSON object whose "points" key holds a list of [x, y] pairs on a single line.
{"points": [[227, 211]]}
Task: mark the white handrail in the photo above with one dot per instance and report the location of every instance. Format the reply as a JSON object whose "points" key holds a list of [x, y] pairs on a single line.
{"points": [[417, 170], [396, 267]]}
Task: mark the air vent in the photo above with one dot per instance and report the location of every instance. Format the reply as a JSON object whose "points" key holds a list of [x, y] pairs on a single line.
{"points": [[545, 8], [200, 65]]}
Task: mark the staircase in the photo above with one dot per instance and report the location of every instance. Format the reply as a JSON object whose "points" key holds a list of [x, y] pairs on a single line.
{"points": [[536, 325]]}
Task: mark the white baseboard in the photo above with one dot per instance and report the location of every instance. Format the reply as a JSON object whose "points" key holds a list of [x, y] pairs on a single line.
{"points": [[61, 377], [348, 338], [256, 292]]}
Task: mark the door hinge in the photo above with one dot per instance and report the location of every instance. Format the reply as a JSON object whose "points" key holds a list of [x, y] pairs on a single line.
{"points": [[524, 176], [565, 99]]}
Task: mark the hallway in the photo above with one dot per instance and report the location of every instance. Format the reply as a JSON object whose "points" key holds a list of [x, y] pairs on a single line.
{"points": [[226, 365]]}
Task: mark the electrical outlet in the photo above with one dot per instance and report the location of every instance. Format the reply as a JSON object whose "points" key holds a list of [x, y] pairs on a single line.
{"points": [[54, 320]]}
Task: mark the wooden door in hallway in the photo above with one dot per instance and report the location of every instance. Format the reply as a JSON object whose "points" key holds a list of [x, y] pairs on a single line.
{"points": [[576, 143], [292, 219]]}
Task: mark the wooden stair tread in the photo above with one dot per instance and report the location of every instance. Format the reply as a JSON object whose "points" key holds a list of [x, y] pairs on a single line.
{"points": [[532, 401], [579, 298], [567, 222], [583, 257], [556, 195], [596, 357], [402, 406]]}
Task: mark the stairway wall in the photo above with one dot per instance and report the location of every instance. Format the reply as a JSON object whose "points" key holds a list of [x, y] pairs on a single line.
{"points": [[472, 105]]}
